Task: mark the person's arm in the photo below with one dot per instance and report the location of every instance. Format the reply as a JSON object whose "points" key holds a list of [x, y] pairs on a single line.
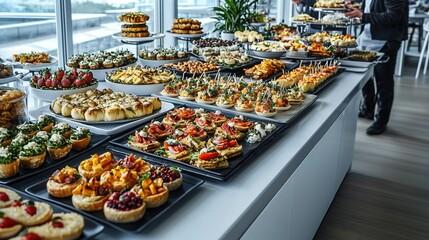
{"points": [[395, 10]]}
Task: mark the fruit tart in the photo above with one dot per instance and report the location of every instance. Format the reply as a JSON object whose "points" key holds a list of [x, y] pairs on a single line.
{"points": [[29, 213], [174, 149], [143, 141], [62, 182], [8, 226], [7, 197], [225, 146], [6, 136], [171, 176], [91, 195], [80, 138], [18, 143], [96, 165], [28, 128], [41, 137], [159, 130], [9, 163], [228, 128], [32, 155], [124, 207], [137, 164], [241, 123], [63, 129], [210, 159], [45, 123], [153, 192], [206, 123], [27, 236], [120, 178], [63, 226], [58, 146]]}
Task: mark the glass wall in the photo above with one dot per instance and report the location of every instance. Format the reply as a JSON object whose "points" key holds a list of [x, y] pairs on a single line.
{"points": [[27, 26], [200, 10]]}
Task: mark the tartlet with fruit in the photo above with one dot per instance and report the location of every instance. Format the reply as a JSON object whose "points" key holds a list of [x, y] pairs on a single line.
{"points": [[9, 163], [29, 213], [63, 226], [96, 165], [80, 138], [8, 226], [171, 176], [137, 164], [120, 178], [7, 197], [32, 155], [62, 182], [153, 192], [91, 195], [124, 207], [58, 147]]}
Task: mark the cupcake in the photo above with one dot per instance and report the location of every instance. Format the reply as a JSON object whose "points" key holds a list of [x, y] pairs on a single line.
{"points": [[80, 138], [63, 129], [45, 123], [124, 208], [58, 146], [32, 155], [9, 164]]}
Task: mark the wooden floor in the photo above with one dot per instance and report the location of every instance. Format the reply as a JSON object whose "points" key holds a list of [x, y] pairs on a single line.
{"points": [[386, 193]]}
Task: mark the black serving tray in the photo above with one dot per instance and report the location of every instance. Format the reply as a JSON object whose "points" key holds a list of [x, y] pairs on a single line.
{"points": [[328, 81], [91, 229], [190, 183], [220, 174], [50, 163]]}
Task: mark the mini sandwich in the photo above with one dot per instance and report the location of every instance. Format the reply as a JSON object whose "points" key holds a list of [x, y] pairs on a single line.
{"points": [[210, 159], [141, 140], [228, 129], [225, 146], [176, 150]]}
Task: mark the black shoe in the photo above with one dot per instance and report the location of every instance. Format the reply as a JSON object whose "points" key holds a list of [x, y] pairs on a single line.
{"points": [[375, 129], [366, 115]]}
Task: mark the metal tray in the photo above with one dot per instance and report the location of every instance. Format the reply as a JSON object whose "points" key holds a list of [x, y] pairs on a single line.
{"points": [[189, 185], [284, 117], [332, 78], [91, 229], [220, 174], [361, 64], [102, 129], [50, 163]]}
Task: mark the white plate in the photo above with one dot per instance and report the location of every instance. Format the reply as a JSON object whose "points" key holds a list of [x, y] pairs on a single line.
{"points": [[138, 39], [35, 66], [49, 95], [137, 89], [107, 129], [179, 35], [157, 63], [15, 77], [296, 54], [101, 73], [264, 54]]}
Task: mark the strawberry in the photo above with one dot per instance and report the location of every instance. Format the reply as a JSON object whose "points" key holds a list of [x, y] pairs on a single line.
{"points": [[88, 77], [34, 79], [55, 83], [60, 73], [40, 82], [31, 210], [4, 197], [7, 222], [46, 73], [48, 83], [79, 82], [65, 82], [81, 74], [31, 236], [72, 77], [57, 224], [16, 204]]}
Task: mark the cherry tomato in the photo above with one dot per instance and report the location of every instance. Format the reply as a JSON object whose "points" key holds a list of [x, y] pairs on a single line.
{"points": [[208, 155]]}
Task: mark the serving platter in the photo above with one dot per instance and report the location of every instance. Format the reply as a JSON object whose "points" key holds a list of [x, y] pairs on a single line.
{"points": [[103, 128], [49, 95], [235, 164], [179, 35], [17, 73], [380, 58], [100, 74], [157, 63], [175, 198], [50, 163], [34, 66], [92, 228], [151, 37]]}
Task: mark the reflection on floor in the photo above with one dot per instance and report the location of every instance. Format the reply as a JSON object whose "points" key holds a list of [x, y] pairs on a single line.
{"points": [[386, 193]]}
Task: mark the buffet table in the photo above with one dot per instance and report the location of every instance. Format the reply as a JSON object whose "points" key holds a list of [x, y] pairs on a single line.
{"points": [[284, 193]]}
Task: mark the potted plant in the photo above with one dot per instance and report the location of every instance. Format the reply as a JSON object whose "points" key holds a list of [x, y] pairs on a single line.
{"points": [[232, 16]]}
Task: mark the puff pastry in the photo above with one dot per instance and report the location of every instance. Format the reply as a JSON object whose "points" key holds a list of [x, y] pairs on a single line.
{"points": [[7, 197], [62, 182], [41, 213], [64, 226]]}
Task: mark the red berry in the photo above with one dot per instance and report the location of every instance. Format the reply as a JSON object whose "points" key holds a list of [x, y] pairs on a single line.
{"points": [[72, 77], [88, 78], [4, 197], [55, 83], [66, 83], [31, 210], [81, 74], [41, 82], [6, 222], [16, 204], [47, 75], [34, 79], [31, 236], [48, 83], [57, 224], [79, 82], [60, 73]]}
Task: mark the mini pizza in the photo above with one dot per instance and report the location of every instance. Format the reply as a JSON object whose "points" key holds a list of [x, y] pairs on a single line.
{"points": [[141, 140], [45, 123], [137, 164], [96, 165], [206, 123], [29, 213], [32, 155], [62, 182], [9, 163], [91, 195], [241, 123], [120, 178], [58, 146], [124, 207], [63, 226], [153, 192], [159, 130], [8, 226], [7, 197], [225, 146], [228, 128], [63, 129], [80, 138], [210, 159], [176, 150]]}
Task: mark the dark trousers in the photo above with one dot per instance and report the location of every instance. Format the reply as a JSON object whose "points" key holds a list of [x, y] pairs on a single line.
{"points": [[379, 100]]}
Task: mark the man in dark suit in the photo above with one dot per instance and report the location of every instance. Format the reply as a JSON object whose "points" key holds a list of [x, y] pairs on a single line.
{"points": [[385, 26]]}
